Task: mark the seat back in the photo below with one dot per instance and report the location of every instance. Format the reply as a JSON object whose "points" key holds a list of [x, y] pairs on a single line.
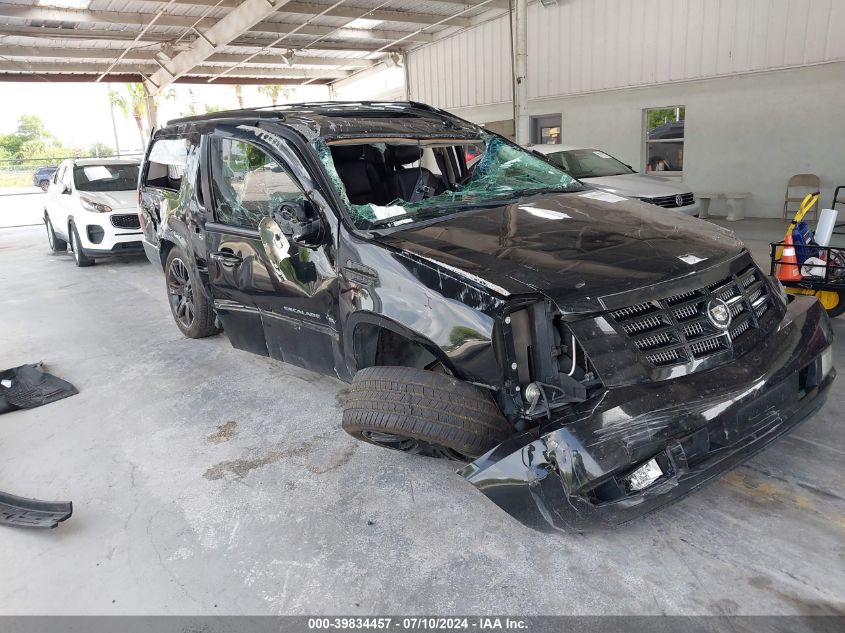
{"points": [[352, 169], [409, 183]]}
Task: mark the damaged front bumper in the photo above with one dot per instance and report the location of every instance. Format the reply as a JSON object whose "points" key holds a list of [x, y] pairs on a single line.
{"points": [[577, 472]]}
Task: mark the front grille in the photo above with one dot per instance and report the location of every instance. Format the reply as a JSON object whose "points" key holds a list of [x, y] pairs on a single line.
{"points": [[677, 329], [127, 221], [671, 202]]}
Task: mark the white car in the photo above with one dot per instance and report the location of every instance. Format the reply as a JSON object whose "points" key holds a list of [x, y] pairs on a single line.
{"points": [[92, 203], [602, 171]]}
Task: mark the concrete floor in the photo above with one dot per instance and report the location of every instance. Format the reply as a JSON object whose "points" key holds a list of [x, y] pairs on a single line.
{"points": [[209, 481]]}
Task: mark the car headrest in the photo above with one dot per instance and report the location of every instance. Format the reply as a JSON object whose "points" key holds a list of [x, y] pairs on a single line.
{"points": [[397, 155], [347, 153]]}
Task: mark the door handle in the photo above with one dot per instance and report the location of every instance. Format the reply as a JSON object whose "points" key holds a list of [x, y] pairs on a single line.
{"points": [[226, 258]]}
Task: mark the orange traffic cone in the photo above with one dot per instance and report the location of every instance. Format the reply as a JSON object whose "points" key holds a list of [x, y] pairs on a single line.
{"points": [[788, 269]]}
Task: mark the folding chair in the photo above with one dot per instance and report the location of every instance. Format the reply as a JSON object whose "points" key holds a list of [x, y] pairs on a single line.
{"points": [[811, 182]]}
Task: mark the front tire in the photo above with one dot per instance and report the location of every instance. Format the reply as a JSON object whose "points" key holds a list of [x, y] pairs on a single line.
{"points": [[423, 412], [80, 259], [57, 244], [44, 184], [191, 309]]}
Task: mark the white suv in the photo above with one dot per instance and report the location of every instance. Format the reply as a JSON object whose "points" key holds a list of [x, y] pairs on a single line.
{"points": [[92, 203]]}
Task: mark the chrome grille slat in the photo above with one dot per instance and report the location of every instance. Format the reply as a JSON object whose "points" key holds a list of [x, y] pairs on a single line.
{"points": [[670, 202], [643, 325], [676, 329]]}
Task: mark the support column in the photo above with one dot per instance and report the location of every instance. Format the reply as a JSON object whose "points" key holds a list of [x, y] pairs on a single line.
{"points": [[152, 110], [520, 75]]}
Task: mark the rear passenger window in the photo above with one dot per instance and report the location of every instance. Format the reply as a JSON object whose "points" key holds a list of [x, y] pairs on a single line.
{"points": [[166, 164], [248, 184]]}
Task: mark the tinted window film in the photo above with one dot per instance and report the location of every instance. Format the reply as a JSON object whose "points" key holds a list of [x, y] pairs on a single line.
{"points": [[247, 183]]}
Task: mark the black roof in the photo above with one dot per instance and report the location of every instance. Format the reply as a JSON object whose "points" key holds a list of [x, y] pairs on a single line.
{"points": [[343, 118]]}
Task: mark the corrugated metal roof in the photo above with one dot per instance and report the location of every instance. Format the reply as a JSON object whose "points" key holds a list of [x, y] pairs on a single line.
{"points": [[41, 37]]}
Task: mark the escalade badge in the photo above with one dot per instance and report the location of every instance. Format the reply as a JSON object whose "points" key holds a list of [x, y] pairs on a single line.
{"points": [[719, 314]]}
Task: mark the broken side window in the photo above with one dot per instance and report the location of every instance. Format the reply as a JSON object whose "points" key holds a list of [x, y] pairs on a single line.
{"points": [[166, 163], [247, 183]]}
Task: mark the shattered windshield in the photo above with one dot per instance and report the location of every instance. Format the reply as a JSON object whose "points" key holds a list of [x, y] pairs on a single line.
{"points": [[401, 181]]}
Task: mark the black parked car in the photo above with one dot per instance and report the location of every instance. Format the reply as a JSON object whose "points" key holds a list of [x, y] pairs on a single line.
{"points": [[42, 175], [593, 357]]}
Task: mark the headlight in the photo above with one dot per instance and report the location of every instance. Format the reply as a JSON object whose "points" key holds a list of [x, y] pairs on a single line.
{"points": [[96, 207], [827, 361]]}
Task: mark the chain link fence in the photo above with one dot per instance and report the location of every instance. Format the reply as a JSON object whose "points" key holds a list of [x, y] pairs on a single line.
{"points": [[19, 172]]}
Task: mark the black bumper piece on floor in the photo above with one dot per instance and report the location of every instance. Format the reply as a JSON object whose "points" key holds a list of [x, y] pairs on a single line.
{"points": [[21, 512], [575, 472]]}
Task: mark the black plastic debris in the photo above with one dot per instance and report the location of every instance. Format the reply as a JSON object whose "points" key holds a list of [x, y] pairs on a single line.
{"points": [[29, 386], [21, 512]]}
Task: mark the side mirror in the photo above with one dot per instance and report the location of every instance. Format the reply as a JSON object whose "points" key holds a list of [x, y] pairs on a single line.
{"points": [[299, 222], [66, 189]]}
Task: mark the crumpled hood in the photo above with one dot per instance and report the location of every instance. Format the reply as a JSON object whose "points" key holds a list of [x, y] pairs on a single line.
{"points": [[638, 185], [114, 199], [574, 248]]}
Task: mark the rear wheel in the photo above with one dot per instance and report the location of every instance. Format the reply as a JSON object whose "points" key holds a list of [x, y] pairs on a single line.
{"points": [[57, 244], [191, 309], [79, 258], [44, 184], [422, 412]]}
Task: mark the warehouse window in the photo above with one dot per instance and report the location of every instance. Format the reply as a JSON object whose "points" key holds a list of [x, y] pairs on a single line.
{"points": [[545, 130], [664, 139]]}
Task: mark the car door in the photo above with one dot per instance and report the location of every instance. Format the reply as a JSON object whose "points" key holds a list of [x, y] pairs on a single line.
{"points": [[260, 277]]}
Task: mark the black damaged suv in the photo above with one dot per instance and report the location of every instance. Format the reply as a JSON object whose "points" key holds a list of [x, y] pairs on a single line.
{"points": [[593, 357]]}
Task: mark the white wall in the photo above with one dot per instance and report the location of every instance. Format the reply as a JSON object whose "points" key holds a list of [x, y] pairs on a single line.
{"points": [[580, 46], [746, 133], [378, 83], [763, 82]]}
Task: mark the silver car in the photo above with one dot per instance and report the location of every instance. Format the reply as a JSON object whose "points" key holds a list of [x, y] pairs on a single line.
{"points": [[601, 170]]}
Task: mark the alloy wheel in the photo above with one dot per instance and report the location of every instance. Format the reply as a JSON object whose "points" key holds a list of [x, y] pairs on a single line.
{"points": [[180, 291]]}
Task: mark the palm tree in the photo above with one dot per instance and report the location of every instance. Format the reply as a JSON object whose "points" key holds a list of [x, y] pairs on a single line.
{"points": [[273, 92], [133, 104]]}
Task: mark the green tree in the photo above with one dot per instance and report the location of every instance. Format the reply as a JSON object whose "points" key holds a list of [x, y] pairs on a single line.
{"points": [[11, 144], [31, 128], [660, 116], [133, 104], [273, 92], [100, 149]]}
